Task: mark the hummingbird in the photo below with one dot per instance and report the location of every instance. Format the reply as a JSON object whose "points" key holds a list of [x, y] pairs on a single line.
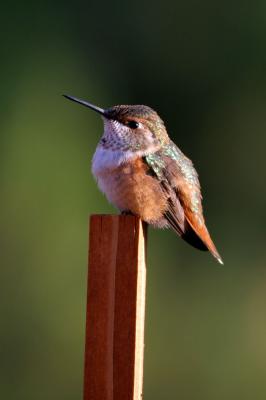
{"points": [[142, 172]]}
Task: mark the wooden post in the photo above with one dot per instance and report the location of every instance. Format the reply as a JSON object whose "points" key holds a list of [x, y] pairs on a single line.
{"points": [[115, 308]]}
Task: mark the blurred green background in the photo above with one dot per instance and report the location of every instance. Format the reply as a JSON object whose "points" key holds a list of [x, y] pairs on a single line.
{"points": [[201, 65]]}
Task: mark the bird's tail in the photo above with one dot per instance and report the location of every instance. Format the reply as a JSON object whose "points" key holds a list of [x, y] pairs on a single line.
{"points": [[199, 237]]}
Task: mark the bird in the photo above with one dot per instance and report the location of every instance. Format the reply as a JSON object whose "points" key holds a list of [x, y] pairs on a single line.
{"points": [[142, 172]]}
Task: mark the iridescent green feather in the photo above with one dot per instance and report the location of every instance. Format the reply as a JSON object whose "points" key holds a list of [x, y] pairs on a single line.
{"points": [[157, 163]]}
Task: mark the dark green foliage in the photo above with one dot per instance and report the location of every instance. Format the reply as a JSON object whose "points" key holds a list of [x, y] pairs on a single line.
{"points": [[201, 65]]}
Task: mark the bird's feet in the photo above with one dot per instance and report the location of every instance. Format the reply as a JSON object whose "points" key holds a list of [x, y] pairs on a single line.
{"points": [[126, 212]]}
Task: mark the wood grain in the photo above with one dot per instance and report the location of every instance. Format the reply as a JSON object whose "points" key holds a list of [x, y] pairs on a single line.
{"points": [[115, 308]]}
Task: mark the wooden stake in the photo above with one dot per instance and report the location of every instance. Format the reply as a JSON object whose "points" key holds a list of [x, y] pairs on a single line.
{"points": [[115, 308]]}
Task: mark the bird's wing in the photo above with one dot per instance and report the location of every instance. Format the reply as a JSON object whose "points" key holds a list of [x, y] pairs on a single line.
{"points": [[180, 181], [175, 216]]}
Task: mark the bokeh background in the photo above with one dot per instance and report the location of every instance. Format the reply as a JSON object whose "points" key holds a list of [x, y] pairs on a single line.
{"points": [[202, 65]]}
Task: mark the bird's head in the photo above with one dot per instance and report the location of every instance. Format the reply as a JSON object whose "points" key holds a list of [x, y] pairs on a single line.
{"points": [[134, 128]]}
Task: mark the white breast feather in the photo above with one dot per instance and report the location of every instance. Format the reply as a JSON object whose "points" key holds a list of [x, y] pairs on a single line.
{"points": [[105, 159]]}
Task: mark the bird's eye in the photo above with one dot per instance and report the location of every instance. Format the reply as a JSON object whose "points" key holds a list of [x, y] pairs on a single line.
{"points": [[132, 124]]}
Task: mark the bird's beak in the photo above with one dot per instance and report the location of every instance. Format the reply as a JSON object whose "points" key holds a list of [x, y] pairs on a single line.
{"points": [[86, 104]]}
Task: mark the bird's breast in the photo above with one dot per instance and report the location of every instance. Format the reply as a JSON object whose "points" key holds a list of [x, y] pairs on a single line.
{"points": [[130, 187]]}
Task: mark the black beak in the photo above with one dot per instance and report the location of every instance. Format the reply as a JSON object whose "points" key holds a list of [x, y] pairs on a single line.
{"points": [[86, 104]]}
